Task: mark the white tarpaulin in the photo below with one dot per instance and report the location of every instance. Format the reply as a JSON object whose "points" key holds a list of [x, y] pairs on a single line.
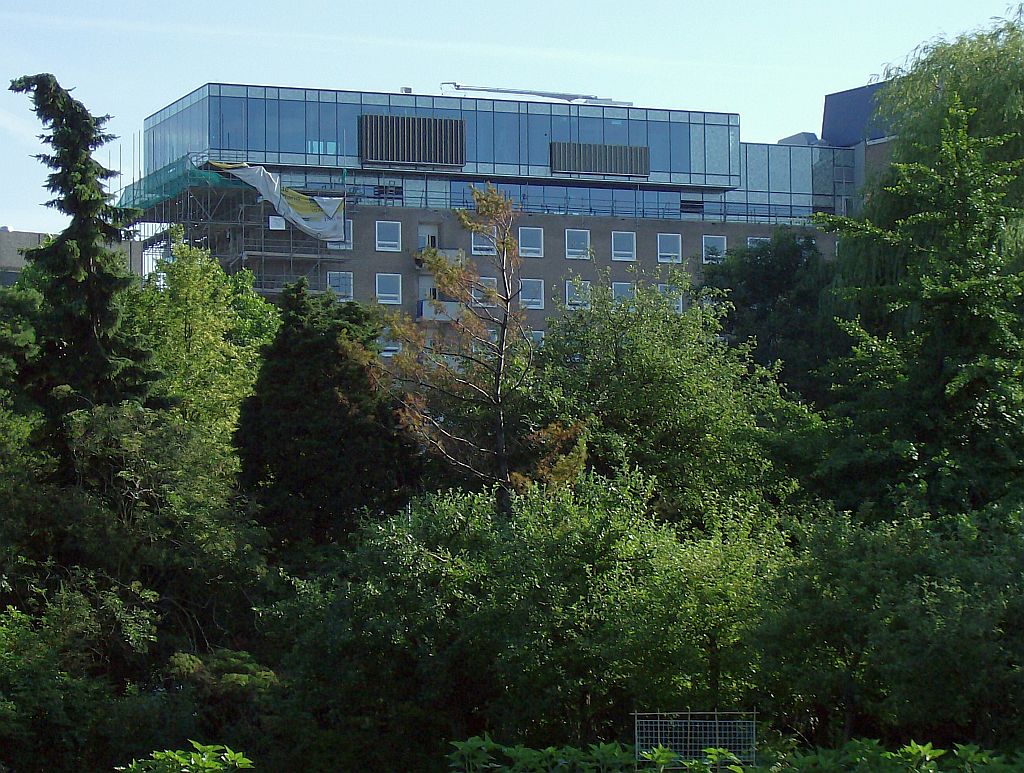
{"points": [[319, 216]]}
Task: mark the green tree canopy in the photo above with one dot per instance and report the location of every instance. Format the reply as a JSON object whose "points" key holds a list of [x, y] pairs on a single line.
{"points": [[319, 439], [84, 349]]}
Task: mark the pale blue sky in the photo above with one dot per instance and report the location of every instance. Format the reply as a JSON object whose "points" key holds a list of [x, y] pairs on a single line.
{"points": [[772, 62]]}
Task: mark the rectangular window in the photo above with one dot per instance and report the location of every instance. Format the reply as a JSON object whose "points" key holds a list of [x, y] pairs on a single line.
{"points": [[714, 249], [757, 241], [343, 244], [577, 294], [484, 294], [389, 288], [670, 248], [389, 236], [483, 244], [623, 245], [531, 294], [674, 297], [388, 348], [623, 291], [531, 242], [340, 282], [577, 244], [537, 337]]}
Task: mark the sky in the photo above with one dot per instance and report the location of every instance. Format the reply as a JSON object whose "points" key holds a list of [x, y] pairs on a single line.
{"points": [[770, 61]]}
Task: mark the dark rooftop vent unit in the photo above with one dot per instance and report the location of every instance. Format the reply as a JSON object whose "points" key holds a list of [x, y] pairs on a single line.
{"points": [[395, 139], [600, 159]]}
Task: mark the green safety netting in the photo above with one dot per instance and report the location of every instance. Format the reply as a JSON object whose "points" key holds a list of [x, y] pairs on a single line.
{"points": [[169, 181]]}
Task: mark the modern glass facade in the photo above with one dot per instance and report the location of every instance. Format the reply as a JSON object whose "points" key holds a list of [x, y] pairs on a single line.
{"points": [[694, 163]]}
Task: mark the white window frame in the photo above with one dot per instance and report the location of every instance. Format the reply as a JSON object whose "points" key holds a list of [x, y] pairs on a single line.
{"points": [[531, 304], [665, 253], [483, 244], [670, 289], [479, 295], [342, 244], [572, 300], [704, 248], [537, 338], [389, 348], [388, 245], [531, 252], [351, 287], [391, 299], [574, 253], [630, 287], [757, 241], [620, 254]]}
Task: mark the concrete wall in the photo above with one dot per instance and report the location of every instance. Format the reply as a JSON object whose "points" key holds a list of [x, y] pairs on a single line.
{"points": [[365, 262]]}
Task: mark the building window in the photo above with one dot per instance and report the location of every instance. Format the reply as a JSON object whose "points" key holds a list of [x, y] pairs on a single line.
{"points": [[623, 245], [537, 338], [531, 294], [670, 248], [577, 294], [389, 348], [389, 288], [531, 242], [485, 294], [758, 241], [714, 249], [340, 282], [577, 244], [342, 244], [623, 291], [389, 236], [483, 244], [673, 296]]}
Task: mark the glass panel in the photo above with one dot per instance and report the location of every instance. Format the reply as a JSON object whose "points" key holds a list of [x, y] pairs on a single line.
{"points": [[293, 126], [697, 149], [539, 139], [389, 236], [757, 167], [506, 138], [348, 129], [680, 139], [273, 134], [660, 151], [637, 133], [800, 166], [577, 244], [232, 123], [591, 131], [531, 295], [616, 132], [531, 242], [256, 124], [485, 137], [778, 168], [623, 245], [713, 249], [670, 248], [716, 139]]}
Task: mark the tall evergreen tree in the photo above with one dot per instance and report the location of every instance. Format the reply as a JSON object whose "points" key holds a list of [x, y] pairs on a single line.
{"points": [[319, 439], [83, 349]]}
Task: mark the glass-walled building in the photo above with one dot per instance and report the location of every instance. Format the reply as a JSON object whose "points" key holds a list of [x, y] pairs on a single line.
{"points": [[607, 182], [426, 151]]}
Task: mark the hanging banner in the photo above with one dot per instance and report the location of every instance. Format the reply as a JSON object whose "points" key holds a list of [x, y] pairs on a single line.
{"points": [[322, 217]]}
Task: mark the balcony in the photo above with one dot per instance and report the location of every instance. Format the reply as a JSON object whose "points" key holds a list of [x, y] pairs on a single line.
{"points": [[438, 311]]}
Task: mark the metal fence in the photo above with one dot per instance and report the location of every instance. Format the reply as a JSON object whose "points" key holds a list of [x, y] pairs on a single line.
{"points": [[689, 733]]}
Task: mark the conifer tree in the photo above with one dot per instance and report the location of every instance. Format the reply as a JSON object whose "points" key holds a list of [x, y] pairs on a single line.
{"points": [[319, 439], [83, 350]]}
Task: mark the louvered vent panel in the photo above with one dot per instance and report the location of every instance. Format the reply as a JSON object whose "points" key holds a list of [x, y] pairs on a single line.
{"points": [[399, 139], [600, 159]]}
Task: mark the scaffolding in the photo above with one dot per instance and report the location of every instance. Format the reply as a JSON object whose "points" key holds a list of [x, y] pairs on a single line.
{"points": [[218, 212]]}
